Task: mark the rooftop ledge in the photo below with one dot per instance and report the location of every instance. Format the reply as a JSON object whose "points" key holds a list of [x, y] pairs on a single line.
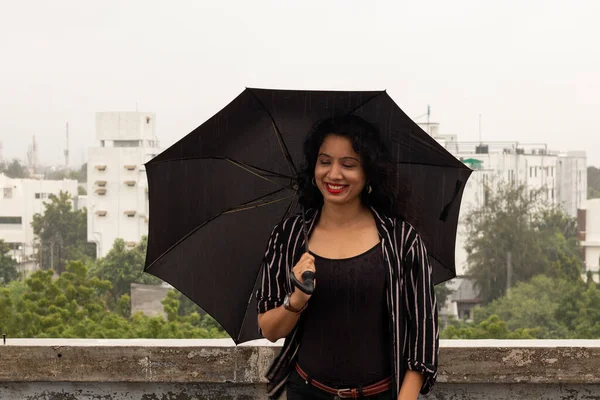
{"points": [[219, 360], [128, 369], [478, 343]]}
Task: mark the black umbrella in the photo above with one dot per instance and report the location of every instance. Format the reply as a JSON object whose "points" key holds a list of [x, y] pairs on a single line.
{"points": [[216, 194]]}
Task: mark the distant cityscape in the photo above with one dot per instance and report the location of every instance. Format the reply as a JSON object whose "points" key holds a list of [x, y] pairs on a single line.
{"points": [[112, 186]]}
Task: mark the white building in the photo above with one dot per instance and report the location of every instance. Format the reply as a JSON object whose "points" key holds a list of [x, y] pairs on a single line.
{"points": [[117, 187], [20, 200], [572, 180], [589, 236], [561, 176]]}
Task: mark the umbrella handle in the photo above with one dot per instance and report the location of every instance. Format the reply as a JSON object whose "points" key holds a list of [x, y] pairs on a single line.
{"points": [[308, 286]]}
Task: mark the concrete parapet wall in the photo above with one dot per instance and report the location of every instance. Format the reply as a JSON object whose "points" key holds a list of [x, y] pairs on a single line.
{"points": [[215, 369]]}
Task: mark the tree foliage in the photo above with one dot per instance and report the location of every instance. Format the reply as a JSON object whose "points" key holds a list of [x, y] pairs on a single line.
{"points": [[61, 233], [491, 328], [543, 308], [442, 292], [8, 265], [122, 267], [539, 239], [14, 169], [74, 305], [593, 182], [79, 175]]}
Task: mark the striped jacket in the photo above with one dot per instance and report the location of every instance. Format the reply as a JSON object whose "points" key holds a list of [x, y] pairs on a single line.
{"points": [[410, 296]]}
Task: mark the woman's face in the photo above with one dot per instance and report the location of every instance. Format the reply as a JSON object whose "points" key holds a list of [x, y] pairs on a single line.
{"points": [[339, 174]]}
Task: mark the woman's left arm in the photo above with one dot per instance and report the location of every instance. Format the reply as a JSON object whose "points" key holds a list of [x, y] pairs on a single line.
{"points": [[422, 319], [411, 385]]}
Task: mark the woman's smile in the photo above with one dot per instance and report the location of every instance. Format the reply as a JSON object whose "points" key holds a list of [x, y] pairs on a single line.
{"points": [[335, 189]]}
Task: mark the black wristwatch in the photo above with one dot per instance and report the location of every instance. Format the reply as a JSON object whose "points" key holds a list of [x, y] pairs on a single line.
{"points": [[289, 307]]}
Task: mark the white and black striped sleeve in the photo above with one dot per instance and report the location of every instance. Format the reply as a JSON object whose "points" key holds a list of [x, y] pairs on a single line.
{"points": [[271, 292], [421, 309]]}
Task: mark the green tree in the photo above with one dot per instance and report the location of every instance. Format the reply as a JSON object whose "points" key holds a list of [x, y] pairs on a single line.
{"points": [[207, 325], [8, 265], [74, 305], [59, 307], [543, 308], [502, 226], [532, 304], [442, 292], [491, 328], [122, 267], [539, 239], [593, 182], [7, 313], [15, 170], [61, 233], [80, 174]]}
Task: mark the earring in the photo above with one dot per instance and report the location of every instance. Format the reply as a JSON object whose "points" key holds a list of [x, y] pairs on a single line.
{"points": [[369, 189], [313, 181]]}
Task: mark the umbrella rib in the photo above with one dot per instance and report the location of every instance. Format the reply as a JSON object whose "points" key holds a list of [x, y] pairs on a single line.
{"points": [[365, 102], [233, 209], [258, 204], [247, 168], [284, 149], [271, 173], [290, 207]]}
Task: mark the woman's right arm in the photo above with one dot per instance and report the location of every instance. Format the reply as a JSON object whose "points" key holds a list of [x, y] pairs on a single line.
{"points": [[274, 321], [278, 322]]}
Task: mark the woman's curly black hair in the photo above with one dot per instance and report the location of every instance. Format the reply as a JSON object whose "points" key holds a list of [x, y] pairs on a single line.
{"points": [[366, 142]]}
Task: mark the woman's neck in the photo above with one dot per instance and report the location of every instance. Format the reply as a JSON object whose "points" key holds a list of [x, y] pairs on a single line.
{"points": [[342, 215]]}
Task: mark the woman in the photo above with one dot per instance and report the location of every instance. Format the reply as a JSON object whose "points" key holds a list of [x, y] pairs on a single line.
{"points": [[370, 328]]}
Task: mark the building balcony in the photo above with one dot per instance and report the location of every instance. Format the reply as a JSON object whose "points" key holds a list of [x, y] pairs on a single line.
{"points": [[100, 191], [130, 167], [130, 213], [101, 167], [130, 244], [101, 213], [590, 243], [130, 183], [100, 183]]}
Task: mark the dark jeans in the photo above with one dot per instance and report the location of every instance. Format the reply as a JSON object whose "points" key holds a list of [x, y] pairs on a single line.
{"points": [[298, 389]]}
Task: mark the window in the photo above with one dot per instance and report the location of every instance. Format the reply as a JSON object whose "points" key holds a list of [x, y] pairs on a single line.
{"points": [[530, 172], [37, 195], [11, 220], [8, 193]]}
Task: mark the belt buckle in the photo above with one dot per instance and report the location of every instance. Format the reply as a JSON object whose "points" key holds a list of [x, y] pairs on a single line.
{"points": [[347, 395]]}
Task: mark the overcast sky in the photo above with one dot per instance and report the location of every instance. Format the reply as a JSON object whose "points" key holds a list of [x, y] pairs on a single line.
{"points": [[530, 68]]}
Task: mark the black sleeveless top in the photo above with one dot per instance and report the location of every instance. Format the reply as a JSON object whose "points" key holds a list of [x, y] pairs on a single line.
{"points": [[345, 337]]}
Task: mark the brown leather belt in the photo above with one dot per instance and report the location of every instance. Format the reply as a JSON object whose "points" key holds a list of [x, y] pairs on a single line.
{"points": [[351, 393]]}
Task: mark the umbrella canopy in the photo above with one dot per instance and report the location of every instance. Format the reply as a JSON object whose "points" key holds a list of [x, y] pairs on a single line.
{"points": [[216, 194]]}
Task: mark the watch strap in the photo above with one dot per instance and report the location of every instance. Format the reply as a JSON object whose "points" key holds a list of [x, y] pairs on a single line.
{"points": [[288, 306]]}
